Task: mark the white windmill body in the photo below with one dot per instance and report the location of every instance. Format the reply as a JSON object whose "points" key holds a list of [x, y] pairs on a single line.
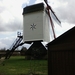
{"points": [[36, 23]]}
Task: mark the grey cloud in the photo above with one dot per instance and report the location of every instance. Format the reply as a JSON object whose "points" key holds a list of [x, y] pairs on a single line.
{"points": [[11, 26], [67, 13], [16, 25], [2, 9]]}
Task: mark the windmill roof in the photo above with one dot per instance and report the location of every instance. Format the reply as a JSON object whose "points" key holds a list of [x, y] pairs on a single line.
{"points": [[33, 8], [68, 36]]}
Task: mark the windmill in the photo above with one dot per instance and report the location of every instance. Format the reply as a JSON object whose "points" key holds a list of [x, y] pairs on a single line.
{"points": [[35, 29], [36, 25], [49, 10]]}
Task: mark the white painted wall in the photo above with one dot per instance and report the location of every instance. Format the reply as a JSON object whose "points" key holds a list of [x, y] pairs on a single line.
{"points": [[46, 27], [41, 30]]}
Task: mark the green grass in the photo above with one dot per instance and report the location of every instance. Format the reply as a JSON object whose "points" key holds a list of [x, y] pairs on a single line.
{"points": [[17, 65]]}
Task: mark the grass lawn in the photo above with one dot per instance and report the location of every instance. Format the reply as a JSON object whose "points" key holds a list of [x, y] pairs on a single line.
{"points": [[17, 65]]}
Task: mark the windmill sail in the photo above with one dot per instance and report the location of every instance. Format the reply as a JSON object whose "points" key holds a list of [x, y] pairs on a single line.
{"points": [[55, 17], [52, 24], [52, 13]]}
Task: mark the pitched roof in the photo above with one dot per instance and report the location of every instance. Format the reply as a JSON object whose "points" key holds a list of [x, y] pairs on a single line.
{"points": [[70, 34]]}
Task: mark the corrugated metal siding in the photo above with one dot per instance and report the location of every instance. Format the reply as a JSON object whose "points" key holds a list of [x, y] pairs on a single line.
{"points": [[61, 62]]}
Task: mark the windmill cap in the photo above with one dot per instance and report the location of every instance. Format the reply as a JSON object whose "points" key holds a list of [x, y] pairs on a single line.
{"points": [[33, 8]]}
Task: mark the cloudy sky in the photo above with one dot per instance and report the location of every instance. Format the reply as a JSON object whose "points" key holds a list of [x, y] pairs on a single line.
{"points": [[11, 20]]}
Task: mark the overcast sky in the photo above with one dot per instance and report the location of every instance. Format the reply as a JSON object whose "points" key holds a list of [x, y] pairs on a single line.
{"points": [[11, 19]]}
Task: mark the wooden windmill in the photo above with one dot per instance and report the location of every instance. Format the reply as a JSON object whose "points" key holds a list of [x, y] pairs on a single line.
{"points": [[36, 26]]}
